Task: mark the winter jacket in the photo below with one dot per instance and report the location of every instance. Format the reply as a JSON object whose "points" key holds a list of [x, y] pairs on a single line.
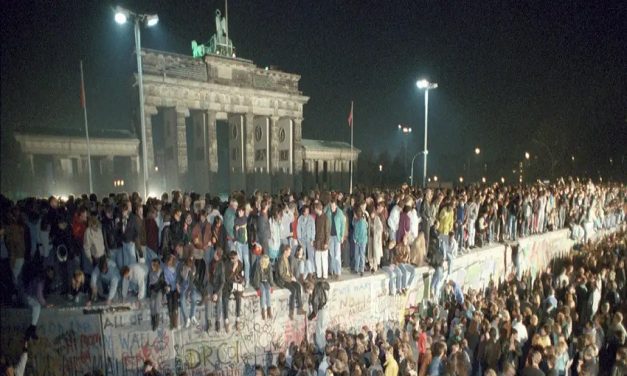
{"points": [[263, 231], [283, 271], [340, 222], [201, 239], [232, 276], [229, 223], [152, 234], [112, 239], [306, 229], [323, 231], [93, 244], [360, 234], [260, 275], [215, 276], [219, 237], [318, 298], [130, 232], [158, 286]]}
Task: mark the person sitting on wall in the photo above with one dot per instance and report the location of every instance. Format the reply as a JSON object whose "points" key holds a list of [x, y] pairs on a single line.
{"points": [[234, 283], [408, 272], [172, 289], [134, 277], [215, 284], [286, 280], [262, 281], [156, 289], [35, 299], [104, 280]]}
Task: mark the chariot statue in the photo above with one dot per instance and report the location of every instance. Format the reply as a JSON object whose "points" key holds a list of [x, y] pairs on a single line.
{"points": [[219, 44]]}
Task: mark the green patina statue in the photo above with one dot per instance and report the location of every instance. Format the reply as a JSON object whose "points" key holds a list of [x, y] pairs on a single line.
{"points": [[219, 43]]}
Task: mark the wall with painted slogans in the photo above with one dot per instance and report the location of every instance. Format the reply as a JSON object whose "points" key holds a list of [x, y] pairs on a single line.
{"points": [[74, 341]]}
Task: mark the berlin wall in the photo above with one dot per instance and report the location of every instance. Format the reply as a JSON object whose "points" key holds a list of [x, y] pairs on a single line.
{"points": [[73, 341]]}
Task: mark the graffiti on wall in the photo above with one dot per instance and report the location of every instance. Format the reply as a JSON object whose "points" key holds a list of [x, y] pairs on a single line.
{"points": [[67, 345]]}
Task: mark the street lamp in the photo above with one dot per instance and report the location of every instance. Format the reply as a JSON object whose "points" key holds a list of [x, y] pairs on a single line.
{"points": [[435, 178], [121, 16], [405, 131], [477, 151], [411, 176], [426, 86], [527, 155], [461, 179]]}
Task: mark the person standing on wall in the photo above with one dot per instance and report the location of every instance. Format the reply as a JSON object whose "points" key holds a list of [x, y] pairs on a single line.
{"points": [[263, 227], [337, 223], [360, 236], [129, 234], [229, 223], [240, 230], [151, 228], [306, 234], [321, 242]]}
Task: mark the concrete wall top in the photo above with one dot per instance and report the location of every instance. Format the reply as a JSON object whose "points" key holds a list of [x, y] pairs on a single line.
{"points": [[74, 341]]}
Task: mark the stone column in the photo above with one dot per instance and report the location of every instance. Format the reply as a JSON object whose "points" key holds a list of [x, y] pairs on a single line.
{"points": [[135, 164], [298, 149], [107, 166], [30, 164], [274, 144], [212, 142], [331, 174], [249, 145], [150, 150], [181, 139]]}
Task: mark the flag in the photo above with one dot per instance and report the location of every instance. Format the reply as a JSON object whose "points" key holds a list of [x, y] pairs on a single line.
{"points": [[82, 88], [350, 116]]}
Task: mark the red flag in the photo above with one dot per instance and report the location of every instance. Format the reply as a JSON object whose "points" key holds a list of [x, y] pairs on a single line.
{"points": [[350, 116]]}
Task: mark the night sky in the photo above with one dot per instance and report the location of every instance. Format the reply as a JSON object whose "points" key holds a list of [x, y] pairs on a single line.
{"points": [[508, 71]]}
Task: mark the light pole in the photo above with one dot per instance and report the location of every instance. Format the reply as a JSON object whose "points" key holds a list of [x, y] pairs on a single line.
{"points": [[411, 177], [121, 16], [478, 156], [405, 131], [426, 85]]}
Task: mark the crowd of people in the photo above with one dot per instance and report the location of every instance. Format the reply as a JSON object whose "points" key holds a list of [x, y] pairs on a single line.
{"points": [[186, 249]]}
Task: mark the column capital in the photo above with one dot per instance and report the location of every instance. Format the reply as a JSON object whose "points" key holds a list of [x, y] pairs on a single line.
{"points": [[150, 110], [182, 110]]}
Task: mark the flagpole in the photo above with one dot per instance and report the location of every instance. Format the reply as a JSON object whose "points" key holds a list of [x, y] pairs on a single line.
{"points": [[352, 126], [84, 104]]}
